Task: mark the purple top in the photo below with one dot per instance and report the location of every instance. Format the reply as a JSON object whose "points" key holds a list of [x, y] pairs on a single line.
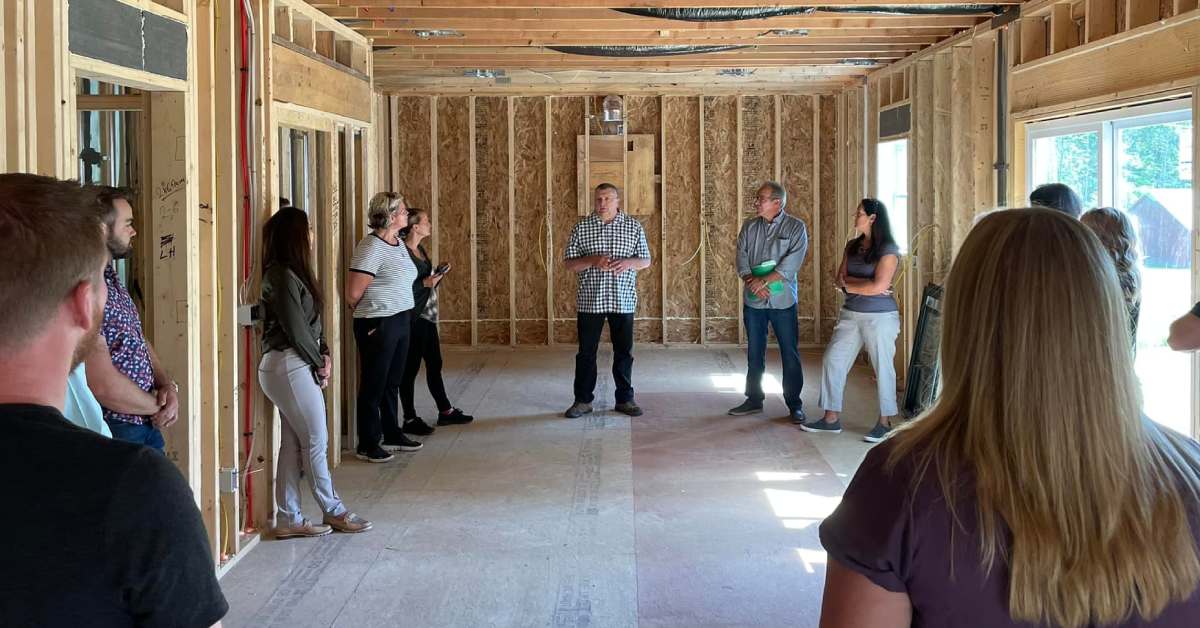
{"points": [[122, 329], [900, 539]]}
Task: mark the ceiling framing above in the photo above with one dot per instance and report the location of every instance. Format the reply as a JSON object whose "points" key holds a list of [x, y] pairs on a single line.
{"points": [[506, 45]]}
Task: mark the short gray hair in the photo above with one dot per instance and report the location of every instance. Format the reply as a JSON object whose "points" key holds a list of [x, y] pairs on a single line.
{"points": [[608, 186], [777, 192], [383, 204]]}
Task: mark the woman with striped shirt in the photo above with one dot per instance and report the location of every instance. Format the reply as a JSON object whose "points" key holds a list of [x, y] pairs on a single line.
{"points": [[379, 290]]}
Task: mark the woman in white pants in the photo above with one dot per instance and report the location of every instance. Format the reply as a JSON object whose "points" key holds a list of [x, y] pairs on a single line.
{"points": [[869, 318], [295, 367]]}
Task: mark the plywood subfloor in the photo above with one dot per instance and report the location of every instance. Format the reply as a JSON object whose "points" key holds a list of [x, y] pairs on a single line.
{"points": [[682, 517]]}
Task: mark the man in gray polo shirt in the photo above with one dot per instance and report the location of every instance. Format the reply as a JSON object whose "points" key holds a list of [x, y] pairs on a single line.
{"points": [[770, 250]]}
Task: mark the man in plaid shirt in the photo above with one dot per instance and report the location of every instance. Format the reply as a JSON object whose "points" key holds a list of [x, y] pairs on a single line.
{"points": [[606, 249]]}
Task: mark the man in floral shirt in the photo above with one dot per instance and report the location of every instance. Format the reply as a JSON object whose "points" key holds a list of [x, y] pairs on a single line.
{"points": [[137, 394]]}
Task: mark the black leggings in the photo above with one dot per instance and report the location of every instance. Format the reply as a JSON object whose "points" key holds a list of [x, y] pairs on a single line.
{"points": [[382, 349], [424, 345]]}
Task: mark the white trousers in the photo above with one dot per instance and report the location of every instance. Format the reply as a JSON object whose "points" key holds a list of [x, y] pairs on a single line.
{"points": [[288, 382], [877, 332]]}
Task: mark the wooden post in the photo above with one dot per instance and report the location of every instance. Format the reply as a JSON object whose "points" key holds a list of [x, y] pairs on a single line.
{"points": [[737, 214], [207, 357], [703, 237], [394, 140], [1195, 257], [433, 177], [662, 232], [474, 248], [512, 243], [815, 240], [549, 253], [173, 205], [226, 212], [329, 220]]}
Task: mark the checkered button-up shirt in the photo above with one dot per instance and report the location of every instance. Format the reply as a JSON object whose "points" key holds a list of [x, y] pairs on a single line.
{"points": [[602, 292]]}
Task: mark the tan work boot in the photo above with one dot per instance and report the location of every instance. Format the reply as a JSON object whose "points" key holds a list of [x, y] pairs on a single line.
{"points": [[306, 528], [348, 522]]}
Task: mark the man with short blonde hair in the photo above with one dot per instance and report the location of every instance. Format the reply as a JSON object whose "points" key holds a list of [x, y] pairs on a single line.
{"points": [[114, 538]]}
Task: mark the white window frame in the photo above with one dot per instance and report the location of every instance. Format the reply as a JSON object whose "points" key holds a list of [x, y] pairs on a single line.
{"points": [[1105, 124]]}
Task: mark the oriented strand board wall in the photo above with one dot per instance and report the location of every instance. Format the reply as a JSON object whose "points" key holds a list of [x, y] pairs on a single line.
{"points": [[796, 157], [454, 218], [746, 140], [530, 218], [681, 255], [838, 153], [491, 219], [412, 141], [720, 204], [642, 116], [566, 124]]}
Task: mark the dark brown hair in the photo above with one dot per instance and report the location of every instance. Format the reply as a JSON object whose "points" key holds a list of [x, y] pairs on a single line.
{"points": [[52, 240], [285, 242]]}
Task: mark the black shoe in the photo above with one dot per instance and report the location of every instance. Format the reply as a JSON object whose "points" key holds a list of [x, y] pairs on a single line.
{"points": [[417, 427], [403, 444], [577, 410], [629, 407], [747, 407], [374, 454], [454, 417], [798, 416]]}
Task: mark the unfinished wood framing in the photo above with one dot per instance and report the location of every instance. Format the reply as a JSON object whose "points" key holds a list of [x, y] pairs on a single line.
{"points": [[643, 118], [530, 203], [548, 240], [455, 196], [721, 185], [567, 123], [681, 124]]}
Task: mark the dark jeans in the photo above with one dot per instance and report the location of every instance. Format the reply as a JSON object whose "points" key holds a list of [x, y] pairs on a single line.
{"points": [[787, 331], [146, 434], [382, 349], [424, 344], [620, 327]]}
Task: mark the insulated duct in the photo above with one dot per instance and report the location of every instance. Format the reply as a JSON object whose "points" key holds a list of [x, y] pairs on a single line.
{"points": [[641, 51], [717, 14]]}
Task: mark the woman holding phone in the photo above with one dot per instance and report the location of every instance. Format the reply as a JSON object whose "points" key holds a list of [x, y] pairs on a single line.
{"points": [[425, 343], [295, 367]]}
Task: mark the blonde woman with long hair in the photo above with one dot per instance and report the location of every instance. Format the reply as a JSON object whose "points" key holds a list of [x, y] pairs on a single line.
{"points": [[1117, 233], [1034, 492]]}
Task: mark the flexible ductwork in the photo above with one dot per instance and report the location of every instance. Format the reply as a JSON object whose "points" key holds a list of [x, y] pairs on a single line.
{"points": [[641, 51], [717, 14]]}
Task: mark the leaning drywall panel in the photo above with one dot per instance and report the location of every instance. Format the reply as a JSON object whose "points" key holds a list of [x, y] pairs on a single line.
{"points": [[682, 254], [454, 218]]}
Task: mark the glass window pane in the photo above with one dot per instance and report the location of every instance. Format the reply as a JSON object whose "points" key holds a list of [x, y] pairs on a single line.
{"points": [[893, 187], [1153, 184], [1073, 159]]}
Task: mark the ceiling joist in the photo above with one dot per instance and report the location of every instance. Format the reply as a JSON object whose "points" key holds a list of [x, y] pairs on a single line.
{"points": [[416, 40]]}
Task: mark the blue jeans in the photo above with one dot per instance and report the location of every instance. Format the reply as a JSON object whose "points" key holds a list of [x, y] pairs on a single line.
{"points": [[787, 331], [147, 434]]}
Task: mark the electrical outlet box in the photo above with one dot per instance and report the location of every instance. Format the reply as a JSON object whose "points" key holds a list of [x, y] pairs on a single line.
{"points": [[229, 481], [248, 314]]}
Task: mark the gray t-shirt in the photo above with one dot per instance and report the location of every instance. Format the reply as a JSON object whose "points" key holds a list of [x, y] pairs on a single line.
{"points": [[899, 536], [857, 266]]}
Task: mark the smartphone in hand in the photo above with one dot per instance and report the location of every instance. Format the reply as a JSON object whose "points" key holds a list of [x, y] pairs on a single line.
{"points": [[442, 269]]}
